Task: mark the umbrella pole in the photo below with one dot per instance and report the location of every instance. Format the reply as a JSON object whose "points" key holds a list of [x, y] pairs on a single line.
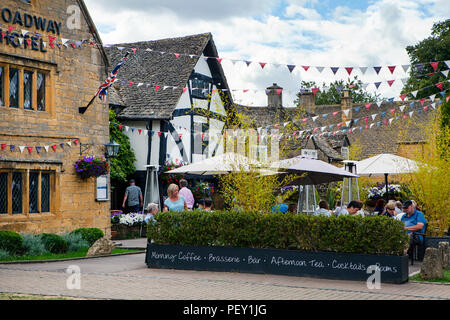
{"points": [[387, 190]]}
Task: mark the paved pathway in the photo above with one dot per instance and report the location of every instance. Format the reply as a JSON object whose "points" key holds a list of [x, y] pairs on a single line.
{"points": [[127, 277]]}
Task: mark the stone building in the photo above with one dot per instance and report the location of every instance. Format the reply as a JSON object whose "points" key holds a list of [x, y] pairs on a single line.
{"points": [[47, 72]]}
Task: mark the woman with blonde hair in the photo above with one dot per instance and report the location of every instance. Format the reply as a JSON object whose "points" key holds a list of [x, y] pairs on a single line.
{"points": [[174, 202]]}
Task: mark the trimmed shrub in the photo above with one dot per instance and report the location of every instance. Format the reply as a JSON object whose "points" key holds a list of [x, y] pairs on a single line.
{"points": [[54, 243], [10, 241], [89, 234], [75, 241], [32, 245], [377, 235]]}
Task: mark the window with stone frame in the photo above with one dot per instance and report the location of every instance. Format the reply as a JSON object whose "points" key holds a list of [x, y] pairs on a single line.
{"points": [[25, 189], [23, 87]]}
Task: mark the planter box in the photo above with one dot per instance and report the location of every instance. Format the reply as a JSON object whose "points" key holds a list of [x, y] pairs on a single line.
{"points": [[394, 269], [123, 232]]}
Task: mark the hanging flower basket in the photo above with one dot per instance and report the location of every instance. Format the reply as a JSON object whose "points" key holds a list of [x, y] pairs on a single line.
{"points": [[91, 167]]}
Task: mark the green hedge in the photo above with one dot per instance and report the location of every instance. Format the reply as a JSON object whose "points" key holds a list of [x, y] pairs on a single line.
{"points": [[54, 243], [10, 241], [346, 234], [89, 234]]}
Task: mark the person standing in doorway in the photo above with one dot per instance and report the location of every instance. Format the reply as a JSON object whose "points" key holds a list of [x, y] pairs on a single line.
{"points": [[134, 196]]}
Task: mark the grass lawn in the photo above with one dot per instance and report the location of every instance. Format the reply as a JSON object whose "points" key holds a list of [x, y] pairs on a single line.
{"points": [[74, 254], [445, 279]]}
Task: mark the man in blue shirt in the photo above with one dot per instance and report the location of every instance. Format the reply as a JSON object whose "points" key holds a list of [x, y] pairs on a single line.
{"points": [[280, 206], [414, 222]]}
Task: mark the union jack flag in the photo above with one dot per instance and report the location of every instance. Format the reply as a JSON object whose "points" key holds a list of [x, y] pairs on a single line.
{"points": [[102, 91]]}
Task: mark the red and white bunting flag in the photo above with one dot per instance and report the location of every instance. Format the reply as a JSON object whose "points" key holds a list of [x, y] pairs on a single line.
{"points": [[304, 120], [131, 83], [75, 142], [368, 106], [219, 59], [439, 85], [3, 146], [391, 69], [305, 67], [403, 96], [434, 65], [180, 135], [140, 131], [54, 147], [159, 134], [177, 55], [349, 70], [390, 82], [422, 101], [425, 108], [392, 111], [314, 90], [133, 49], [262, 64], [335, 113], [279, 91], [157, 87], [184, 90]]}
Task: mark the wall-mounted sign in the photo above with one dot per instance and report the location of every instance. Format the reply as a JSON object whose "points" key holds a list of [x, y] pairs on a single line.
{"points": [[102, 190]]}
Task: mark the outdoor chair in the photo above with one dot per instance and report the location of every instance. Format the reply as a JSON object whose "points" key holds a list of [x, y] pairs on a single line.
{"points": [[418, 250]]}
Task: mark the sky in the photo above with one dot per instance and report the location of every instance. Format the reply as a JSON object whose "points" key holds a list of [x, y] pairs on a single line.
{"points": [[328, 33]]}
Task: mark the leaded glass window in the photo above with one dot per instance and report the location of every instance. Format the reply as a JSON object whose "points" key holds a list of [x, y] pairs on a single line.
{"points": [[40, 85], [2, 86], [200, 88], [45, 192], [33, 192], [13, 88], [3, 192], [27, 89], [17, 192]]}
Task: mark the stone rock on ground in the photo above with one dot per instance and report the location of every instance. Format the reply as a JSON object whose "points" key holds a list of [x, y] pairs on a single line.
{"points": [[432, 265], [100, 247], [444, 248]]}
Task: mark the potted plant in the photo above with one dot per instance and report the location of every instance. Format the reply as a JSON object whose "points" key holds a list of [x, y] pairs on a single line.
{"points": [[167, 179], [88, 167]]}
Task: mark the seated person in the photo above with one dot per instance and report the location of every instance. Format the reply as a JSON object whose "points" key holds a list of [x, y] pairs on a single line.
{"points": [[323, 209], [353, 208], [280, 206], [339, 208], [389, 210], [208, 204], [379, 207], [201, 204], [152, 209], [414, 222]]}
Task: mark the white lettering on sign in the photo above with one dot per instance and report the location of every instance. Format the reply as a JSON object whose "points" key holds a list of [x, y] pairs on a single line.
{"points": [[253, 260], [226, 259], [285, 262], [348, 266], [163, 256], [189, 256]]}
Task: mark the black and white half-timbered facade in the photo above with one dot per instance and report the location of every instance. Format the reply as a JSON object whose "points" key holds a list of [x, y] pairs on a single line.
{"points": [[172, 98]]}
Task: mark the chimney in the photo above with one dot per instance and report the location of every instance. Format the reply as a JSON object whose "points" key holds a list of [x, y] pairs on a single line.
{"points": [[307, 100], [274, 96], [346, 105]]}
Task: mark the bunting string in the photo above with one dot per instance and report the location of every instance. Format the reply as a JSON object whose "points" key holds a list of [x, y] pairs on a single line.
{"points": [[46, 148]]}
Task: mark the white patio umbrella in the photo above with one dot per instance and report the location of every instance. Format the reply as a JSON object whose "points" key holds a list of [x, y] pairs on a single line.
{"points": [[385, 164], [315, 171], [221, 164]]}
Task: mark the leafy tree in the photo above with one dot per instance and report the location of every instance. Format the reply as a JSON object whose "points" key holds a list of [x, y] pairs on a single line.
{"points": [[422, 75], [123, 165], [332, 94]]}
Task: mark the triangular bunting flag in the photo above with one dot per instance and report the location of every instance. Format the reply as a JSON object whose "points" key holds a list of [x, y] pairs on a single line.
{"points": [[21, 148], [54, 147], [439, 85], [374, 116], [363, 69], [434, 65], [314, 90], [390, 82], [411, 113], [46, 148], [38, 149], [432, 97], [403, 96], [414, 93], [305, 68], [262, 64], [402, 107], [291, 67], [445, 73], [419, 67], [377, 84], [349, 70], [391, 69], [346, 112], [334, 69], [320, 69], [447, 63], [368, 106], [405, 67], [377, 69]]}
